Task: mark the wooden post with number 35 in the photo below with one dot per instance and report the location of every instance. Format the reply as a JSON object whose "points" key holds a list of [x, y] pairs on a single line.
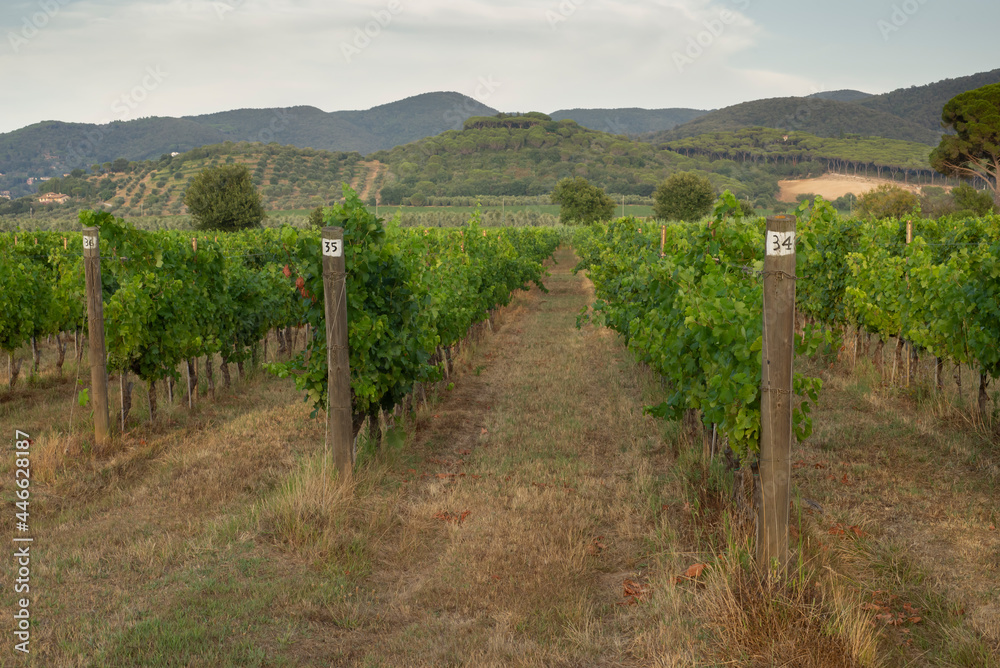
{"points": [[340, 434]]}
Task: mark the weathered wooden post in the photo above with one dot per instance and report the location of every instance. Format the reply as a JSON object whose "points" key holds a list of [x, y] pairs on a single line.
{"points": [[909, 355], [95, 320], [340, 434], [776, 392]]}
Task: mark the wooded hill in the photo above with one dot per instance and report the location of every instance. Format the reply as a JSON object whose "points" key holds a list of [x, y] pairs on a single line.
{"points": [[846, 95], [817, 116], [923, 104], [867, 156], [631, 121], [505, 155], [288, 178], [908, 114], [527, 155], [52, 148]]}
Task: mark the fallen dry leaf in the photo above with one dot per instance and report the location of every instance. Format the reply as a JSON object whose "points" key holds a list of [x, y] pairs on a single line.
{"points": [[455, 518], [633, 589], [695, 570]]}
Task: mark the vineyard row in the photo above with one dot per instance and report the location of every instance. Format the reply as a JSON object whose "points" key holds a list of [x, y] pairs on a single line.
{"points": [[687, 299], [171, 297]]}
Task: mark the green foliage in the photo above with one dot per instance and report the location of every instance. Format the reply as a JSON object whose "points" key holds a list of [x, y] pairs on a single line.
{"points": [[224, 198], [888, 201], [694, 314], [979, 202], [935, 202], [408, 292], [973, 152], [581, 202], [941, 292], [846, 202], [316, 217], [747, 209], [684, 196], [40, 287]]}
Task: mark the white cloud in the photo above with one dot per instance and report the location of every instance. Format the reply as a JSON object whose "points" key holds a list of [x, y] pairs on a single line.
{"points": [[225, 54]]}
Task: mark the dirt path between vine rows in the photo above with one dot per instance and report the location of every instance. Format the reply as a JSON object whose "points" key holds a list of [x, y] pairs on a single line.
{"points": [[525, 508]]}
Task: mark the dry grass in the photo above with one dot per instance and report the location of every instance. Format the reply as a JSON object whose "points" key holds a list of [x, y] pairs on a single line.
{"points": [[503, 526]]}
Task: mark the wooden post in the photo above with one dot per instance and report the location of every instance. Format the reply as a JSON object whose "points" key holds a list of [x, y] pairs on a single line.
{"points": [[776, 393], [95, 320], [909, 345], [663, 238], [340, 433]]}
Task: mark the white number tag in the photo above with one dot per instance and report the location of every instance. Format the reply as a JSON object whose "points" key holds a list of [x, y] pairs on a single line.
{"points": [[89, 242], [333, 247], [780, 243]]}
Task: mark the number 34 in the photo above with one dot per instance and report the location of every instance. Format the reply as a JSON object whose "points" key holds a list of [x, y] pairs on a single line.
{"points": [[781, 243]]}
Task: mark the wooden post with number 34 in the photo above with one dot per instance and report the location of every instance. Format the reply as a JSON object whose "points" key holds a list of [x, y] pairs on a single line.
{"points": [[776, 393], [95, 332]]}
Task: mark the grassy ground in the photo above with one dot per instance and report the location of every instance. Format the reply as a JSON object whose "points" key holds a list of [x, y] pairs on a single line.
{"points": [[531, 515]]}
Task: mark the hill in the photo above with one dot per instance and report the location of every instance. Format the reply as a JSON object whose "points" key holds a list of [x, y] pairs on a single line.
{"points": [[288, 178], [505, 156], [769, 145], [512, 156], [520, 156], [52, 148], [841, 95], [631, 121], [817, 116], [922, 105], [375, 129]]}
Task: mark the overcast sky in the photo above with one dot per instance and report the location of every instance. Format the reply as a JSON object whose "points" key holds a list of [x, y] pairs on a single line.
{"points": [[101, 60]]}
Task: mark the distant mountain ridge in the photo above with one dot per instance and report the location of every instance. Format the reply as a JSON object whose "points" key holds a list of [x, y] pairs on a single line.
{"points": [[815, 115], [908, 114], [923, 104], [54, 147], [845, 95], [630, 121], [51, 148]]}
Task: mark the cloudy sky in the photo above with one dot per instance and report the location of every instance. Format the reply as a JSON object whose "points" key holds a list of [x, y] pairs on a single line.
{"points": [[101, 60]]}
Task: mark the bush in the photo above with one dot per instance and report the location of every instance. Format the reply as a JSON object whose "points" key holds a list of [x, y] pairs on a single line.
{"points": [[581, 202], [683, 196], [888, 201], [224, 198]]}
